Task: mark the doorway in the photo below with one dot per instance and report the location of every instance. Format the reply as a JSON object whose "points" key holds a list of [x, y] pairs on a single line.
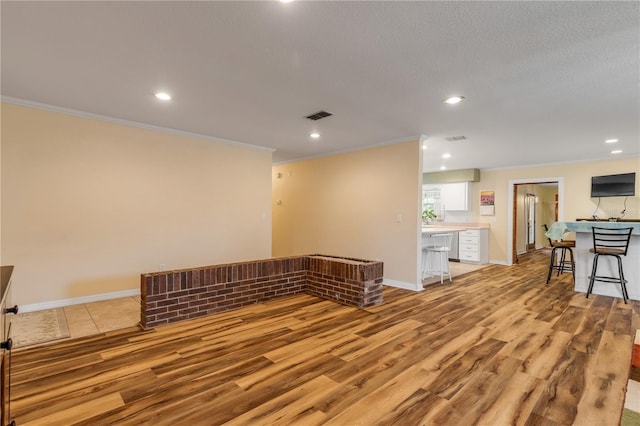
{"points": [[517, 230]]}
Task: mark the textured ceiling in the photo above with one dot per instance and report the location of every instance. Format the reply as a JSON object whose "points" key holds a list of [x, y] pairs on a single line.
{"points": [[544, 82]]}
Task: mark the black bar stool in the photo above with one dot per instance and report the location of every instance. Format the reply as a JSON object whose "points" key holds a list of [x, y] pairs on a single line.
{"points": [[610, 242], [563, 264]]}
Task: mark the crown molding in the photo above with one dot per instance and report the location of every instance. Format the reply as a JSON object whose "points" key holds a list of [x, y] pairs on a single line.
{"points": [[83, 114]]}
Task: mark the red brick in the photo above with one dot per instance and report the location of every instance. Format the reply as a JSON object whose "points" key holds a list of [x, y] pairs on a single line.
{"points": [[184, 312], [157, 311], [250, 282], [167, 315]]}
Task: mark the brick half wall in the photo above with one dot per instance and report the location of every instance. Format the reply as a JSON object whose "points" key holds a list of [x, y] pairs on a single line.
{"points": [[173, 296]]}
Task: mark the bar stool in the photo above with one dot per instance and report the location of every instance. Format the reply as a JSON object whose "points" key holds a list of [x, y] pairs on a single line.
{"points": [[564, 264], [439, 246], [609, 242]]}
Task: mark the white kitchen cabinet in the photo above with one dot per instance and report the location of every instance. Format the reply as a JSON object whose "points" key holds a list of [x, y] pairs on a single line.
{"points": [[455, 196], [474, 246], [452, 196]]}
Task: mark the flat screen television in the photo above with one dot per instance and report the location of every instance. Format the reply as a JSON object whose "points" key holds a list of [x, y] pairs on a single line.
{"points": [[621, 185]]}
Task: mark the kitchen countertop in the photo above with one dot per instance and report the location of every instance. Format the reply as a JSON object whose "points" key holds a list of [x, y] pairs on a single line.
{"points": [[452, 227], [465, 225], [432, 230]]}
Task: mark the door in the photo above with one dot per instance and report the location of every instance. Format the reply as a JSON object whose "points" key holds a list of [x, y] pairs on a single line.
{"points": [[530, 219]]}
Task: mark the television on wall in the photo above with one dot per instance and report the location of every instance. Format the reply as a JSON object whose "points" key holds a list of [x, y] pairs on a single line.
{"points": [[622, 185]]}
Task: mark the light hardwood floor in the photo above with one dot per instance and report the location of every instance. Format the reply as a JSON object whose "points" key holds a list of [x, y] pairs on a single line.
{"points": [[496, 347], [457, 269]]}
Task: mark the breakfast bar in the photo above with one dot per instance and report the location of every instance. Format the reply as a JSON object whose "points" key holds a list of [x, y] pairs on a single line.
{"points": [[584, 259]]}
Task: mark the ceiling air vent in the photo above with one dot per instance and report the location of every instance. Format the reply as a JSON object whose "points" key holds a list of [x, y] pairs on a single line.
{"points": [[456, 138], [318, 115]]}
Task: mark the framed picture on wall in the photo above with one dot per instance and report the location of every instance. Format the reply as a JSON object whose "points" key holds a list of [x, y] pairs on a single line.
{"points": [[487, 203]]}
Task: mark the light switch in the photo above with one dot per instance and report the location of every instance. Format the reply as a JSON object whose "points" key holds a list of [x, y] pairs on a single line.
{"points": [[399, 217]]}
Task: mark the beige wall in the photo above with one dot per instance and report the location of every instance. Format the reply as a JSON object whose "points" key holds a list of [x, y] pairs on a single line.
{"points": [[348, 205], [577, 195], [545, 212], [89, 205]]}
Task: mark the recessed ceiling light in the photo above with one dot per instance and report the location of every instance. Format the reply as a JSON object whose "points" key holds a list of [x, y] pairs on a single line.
{"points": [[315, 135], [443, 167], [446, 155], [453, 100], [163, 96], [424, 146], [286, 1], [611, 141], [616, 151]]}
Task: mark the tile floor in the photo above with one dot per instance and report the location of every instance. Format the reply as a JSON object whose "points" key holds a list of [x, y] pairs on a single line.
{"points": [[100, 317]]}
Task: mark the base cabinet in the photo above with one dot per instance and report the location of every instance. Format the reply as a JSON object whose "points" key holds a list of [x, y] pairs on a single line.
{"points": [[474, 246]]}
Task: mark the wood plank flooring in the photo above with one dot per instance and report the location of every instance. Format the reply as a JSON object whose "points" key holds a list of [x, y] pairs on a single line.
{"points": [[496, 347]]}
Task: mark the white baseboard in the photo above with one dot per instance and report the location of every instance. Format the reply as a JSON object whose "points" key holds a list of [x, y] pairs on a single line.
{"points": [[78, 300], [402, 284]]}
